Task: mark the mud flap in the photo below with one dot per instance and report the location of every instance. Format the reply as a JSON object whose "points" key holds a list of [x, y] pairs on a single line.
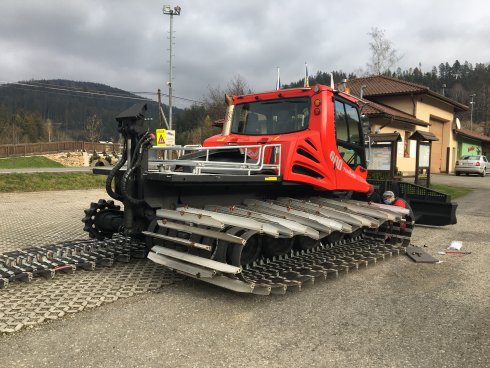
{"points": [[418, 255]]}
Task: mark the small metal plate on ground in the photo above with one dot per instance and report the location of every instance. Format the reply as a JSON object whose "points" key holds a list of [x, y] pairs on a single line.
{"points": [[419, 255]]}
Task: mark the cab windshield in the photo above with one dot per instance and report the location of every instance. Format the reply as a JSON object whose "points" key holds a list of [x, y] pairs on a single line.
{"points": [[271, 116]]}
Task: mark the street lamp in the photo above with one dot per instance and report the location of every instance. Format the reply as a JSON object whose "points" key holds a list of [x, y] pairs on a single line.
{"points": [[471, 114], [167, 9]]}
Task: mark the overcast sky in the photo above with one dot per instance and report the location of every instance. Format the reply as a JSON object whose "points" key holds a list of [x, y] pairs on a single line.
{"points": [[124, 43]]}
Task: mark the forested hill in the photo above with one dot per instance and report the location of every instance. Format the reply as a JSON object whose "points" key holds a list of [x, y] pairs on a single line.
{"points": [[26, 106]]}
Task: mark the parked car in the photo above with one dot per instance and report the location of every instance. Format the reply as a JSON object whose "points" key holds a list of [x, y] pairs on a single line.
{"points": [[472, 164]]}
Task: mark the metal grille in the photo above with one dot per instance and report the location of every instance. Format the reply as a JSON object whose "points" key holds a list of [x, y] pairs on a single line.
{"points": [[23, 305], [37, 219]]}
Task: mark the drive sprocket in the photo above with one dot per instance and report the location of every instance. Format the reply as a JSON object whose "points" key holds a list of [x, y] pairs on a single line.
{"points": [[91, 215]]}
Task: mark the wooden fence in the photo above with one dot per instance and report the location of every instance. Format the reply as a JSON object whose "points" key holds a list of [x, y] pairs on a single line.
{"points": [[28, 149]]}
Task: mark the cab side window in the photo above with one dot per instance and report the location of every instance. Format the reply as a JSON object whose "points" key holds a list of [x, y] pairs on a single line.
{"points": [[340, 122], [350, 142], [353, 123]]}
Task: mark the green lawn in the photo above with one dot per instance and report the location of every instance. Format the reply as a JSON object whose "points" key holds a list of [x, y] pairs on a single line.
{"points": [[37, 182], [454, 192], [27, 162]]}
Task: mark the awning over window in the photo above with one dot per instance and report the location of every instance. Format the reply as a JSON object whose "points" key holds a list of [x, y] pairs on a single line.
{"points": [[385, 137], [419, 135]]}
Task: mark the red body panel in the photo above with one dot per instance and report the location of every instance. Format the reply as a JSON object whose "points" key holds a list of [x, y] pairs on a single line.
{"points": [[318, 141]]}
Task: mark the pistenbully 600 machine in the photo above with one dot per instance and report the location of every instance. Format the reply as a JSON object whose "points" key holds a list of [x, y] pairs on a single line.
{"points": [[263, 207]]}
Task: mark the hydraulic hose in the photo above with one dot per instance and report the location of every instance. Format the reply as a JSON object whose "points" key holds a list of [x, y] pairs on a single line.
{"points": [[137, 148], [134, 164], [112, 174]]}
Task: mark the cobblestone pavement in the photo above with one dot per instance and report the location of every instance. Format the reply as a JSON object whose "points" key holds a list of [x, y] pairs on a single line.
{"points": [[38, 218], [48, 217]]}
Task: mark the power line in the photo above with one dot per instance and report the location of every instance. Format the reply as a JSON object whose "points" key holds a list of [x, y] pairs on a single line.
{"points": [[165, 94], [71, 94], [36, 83], [185, 99], [40, 86], [36, 88]]}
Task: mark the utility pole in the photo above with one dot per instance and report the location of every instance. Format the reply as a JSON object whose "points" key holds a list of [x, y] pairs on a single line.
{"points": [[161, 114], [169, 11], [471, 114], [159, 94]]}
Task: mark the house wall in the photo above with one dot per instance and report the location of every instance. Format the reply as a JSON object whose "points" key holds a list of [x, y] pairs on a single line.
{"points": [[486, 150], [440, 115], [402, 103]]}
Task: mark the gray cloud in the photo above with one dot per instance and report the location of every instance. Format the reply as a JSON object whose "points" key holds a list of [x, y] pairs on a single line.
{"points": [[124, 43]]}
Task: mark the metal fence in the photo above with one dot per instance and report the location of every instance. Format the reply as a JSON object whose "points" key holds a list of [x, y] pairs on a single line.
{"points": [[27, 149]]}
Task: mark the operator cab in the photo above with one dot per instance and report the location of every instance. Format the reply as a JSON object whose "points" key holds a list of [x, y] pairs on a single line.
{"points": [[271, 117], [291, 115]]}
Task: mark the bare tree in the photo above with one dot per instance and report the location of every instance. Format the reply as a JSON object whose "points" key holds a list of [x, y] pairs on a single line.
{"points": [[238, 86], [93, 127], [383, 55], [214, 102], [4, 127]]}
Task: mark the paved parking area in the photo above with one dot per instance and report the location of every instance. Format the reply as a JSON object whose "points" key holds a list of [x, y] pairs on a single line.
{"points": [[472, 181], [396, 314]]}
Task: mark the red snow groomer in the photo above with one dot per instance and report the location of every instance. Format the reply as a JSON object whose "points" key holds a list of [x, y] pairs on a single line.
{"points": [[262, 207]]}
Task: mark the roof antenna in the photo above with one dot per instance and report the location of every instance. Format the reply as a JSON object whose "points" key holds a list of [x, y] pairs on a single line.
{"points": [[332, 85]]}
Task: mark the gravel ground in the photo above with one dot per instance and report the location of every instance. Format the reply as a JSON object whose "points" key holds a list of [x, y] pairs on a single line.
{"points": [[395, 314]]}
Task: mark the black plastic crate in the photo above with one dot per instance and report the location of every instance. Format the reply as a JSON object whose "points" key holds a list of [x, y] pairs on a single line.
{"points": [[414, 191], [409, 190]]}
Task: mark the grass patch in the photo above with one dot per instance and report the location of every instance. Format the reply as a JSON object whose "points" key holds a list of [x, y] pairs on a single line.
{"points": [[454, 192], [27, 162], [37, 182]]}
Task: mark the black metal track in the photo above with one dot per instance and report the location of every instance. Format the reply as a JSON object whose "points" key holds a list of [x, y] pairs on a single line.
{"points": [[46, 261]]}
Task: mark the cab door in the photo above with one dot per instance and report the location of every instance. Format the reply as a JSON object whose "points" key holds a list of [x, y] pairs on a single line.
{"points": [[349, 135]]}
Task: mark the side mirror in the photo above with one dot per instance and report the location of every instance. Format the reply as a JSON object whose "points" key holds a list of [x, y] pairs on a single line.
{"points": [[366, 126]]}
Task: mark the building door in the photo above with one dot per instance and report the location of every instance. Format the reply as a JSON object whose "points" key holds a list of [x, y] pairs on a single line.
{"points": [[437, 129]]}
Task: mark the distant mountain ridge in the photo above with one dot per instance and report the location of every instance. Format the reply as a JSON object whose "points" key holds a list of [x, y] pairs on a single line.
{"points": [[68, 104]]}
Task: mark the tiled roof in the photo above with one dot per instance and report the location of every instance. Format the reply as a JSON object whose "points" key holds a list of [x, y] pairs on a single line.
{"points": [[380, 85], [373, 109], [470, 134]]}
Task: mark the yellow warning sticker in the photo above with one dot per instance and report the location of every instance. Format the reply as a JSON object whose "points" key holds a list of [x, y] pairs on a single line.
{"points": [[165, 137], [270, 178], [160, 137]]}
